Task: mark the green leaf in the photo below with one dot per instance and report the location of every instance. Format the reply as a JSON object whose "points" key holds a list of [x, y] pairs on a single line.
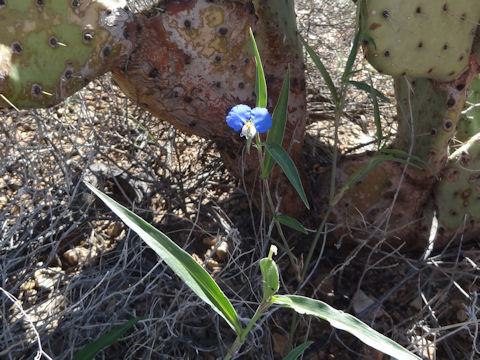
{"points": [[323, 71], [261, 85], [347, 322], [275, 134], [351, 58], [295, 353], [369, 39], [369, 89], [374, 94], [363, 171], [178, 259], [376, 117], [288, 167], [92, 349], [358, 176], [270, 278], [361, 16], [404, 154], [291, 223]]}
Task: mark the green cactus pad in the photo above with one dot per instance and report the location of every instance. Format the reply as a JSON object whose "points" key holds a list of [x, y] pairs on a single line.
{"points": [[469, 124], [50, 49], [457, 195], [420, 38], [433, 110]]}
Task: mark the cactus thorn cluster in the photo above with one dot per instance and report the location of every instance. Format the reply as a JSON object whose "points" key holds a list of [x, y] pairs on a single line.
{"points": [[50, 49]]}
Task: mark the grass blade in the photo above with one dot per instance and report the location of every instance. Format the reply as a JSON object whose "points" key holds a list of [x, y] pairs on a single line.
{"points": [[178, 259], [275, 134], [323, 71], [261, 85], [347, 322], [291, 223], [281, 157], [295, 353], [351, 58], [374, 95], [92, 349], [404, 154], [369, 89]]}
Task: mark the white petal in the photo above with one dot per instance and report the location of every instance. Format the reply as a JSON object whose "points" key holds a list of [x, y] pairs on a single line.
{"points": [[248, 130]]}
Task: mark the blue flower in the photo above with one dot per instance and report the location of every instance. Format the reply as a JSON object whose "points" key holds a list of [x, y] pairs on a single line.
{"points": [[250, 121]]}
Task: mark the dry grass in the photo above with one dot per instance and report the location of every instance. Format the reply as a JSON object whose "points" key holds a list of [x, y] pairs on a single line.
{"points": [[76, 271]]}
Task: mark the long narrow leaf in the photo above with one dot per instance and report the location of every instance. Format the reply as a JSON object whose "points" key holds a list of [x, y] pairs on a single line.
{"points": [[178, 259], [376, 117], [351, 57], [92, 349], [261, 85], [295, 353], [369, 89], [276, 132], [405, 154], [374, 94], [347, 322], [288, 167], [323, 71], [291, 223], [363, 171]]}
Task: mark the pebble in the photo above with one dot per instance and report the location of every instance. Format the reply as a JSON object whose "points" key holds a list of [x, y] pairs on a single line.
{"points": [[222, 250], [79, 255], [47, 278]]}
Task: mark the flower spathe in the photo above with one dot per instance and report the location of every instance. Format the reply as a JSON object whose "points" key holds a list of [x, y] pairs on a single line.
{"points": [[249, 120]]}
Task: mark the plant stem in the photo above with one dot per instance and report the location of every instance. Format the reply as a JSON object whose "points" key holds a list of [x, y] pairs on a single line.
{"points": [[292, 257], [241, 338], [233, 349]]}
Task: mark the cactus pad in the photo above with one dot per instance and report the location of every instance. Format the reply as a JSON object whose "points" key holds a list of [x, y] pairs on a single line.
{"points": [[420, 38], [457, 196], [50, 49], [433, 110], [469, 124]]}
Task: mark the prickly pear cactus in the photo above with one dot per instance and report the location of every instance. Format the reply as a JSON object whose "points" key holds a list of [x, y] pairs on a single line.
{"points": [[469, 124], [50, 49], [428, 113], [420, 38], [457, 196]]}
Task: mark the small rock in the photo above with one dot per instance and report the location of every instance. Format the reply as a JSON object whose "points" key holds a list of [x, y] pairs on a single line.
{"points": [[361, 301], [222, 250], [197, 258], [79, 255], [28, 285], [28, 296], [213, 264], [47, 278], [209, 241], [114, 229]]}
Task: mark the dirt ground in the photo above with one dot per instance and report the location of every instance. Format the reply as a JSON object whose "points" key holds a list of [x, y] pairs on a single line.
{"points": [[76, 271]]}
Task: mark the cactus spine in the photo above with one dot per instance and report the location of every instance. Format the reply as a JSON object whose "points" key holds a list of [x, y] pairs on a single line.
{"points": [[50, 49]]}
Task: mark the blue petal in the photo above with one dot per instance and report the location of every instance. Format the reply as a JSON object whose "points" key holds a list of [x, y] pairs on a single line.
{"points": [[262, 119], [238, 116]]}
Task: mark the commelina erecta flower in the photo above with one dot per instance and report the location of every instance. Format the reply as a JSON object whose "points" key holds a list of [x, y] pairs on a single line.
{"points": [[250, 121]]}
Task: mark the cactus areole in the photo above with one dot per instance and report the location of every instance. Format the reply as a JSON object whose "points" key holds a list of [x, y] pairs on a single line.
{"points": [[50, 49], [420, 38]]}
